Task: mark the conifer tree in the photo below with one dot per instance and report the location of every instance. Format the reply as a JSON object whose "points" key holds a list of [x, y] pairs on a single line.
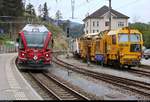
{"points": [[45, 11], [11, 8]]}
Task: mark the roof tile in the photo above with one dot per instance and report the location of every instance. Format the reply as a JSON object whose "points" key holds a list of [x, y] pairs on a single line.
{"points": [[103, 10]]}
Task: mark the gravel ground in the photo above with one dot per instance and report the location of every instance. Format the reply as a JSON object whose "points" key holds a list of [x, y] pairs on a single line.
{"points": [[38, 89], [98, 88], [112, 71], [88, 86]]}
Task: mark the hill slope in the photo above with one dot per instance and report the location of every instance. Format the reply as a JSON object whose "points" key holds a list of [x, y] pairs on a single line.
{"points": [[60, 42]]}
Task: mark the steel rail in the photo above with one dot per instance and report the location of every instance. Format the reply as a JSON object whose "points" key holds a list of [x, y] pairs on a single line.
{"points": [[141, 72], [66, 87], [64, 93], [134, 85], [44, 86]]}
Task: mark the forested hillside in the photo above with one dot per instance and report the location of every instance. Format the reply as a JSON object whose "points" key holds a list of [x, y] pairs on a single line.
{"points": [[14, 15], [11, 8]]}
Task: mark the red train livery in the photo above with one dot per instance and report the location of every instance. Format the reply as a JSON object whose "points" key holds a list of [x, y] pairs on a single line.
{"points": [[35, 46]]}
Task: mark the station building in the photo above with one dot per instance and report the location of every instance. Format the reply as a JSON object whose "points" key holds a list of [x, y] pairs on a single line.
{"points": [[99, 20]]}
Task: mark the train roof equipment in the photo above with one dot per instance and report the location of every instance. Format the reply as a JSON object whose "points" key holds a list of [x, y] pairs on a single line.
{"points": [[35, 28]]}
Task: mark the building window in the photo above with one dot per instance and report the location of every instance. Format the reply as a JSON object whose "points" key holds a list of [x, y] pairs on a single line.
{"points": [[93, 31], [97, 23], [120, 24], [86, 31], [107, 23], [98, 31], [87, 24], [93, 23]]}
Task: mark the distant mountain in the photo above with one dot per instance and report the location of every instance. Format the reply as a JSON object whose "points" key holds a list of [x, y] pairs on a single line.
{"points": [[76, 29]]}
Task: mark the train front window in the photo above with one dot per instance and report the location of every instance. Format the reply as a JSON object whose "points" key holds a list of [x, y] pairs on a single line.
{"points": [[123, 38], [35, 39], [135, 38]]}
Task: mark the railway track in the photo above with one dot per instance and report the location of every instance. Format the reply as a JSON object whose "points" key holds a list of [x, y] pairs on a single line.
{"points": [[139, 87], [145, 67], [56, 89], [140, 72]]}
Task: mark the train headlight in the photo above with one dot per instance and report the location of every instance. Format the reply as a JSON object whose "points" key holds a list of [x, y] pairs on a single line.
{"points": [[22, 54], [46, 55]]}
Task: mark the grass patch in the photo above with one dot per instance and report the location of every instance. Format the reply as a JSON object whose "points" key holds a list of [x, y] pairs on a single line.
{"points": [[4, 39]]}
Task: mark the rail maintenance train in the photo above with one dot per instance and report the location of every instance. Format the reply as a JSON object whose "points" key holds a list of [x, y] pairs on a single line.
{"points": [[35, 46], [120, 47]]}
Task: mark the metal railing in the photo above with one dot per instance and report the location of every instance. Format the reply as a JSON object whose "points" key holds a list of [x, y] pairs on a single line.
{"points": [[7, 49]]}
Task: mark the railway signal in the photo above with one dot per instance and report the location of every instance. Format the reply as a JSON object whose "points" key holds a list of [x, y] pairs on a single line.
{"points": [[68, 31]]}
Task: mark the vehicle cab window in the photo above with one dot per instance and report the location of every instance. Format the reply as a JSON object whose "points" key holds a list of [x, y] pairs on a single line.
{"points": [[135, 38], [123, 38]]}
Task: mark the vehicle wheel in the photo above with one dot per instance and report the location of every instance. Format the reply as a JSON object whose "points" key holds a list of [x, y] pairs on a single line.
{"points": [[117, 65], [121, 66], [146, 58], [129, 67]]}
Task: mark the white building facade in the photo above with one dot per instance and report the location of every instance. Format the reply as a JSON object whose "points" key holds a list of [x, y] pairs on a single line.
{"points": [[99, 20]]}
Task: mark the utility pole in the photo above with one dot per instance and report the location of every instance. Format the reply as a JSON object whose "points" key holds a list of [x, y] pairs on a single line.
{"points": [[72, 6], [109, 14]]}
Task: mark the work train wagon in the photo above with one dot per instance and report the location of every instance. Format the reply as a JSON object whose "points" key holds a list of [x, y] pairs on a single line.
{"points": [[35, 46], [121, 47]]}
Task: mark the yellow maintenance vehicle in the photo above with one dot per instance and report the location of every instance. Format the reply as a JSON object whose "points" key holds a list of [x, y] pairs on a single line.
{"points": [[87, 46], [121, 47]]}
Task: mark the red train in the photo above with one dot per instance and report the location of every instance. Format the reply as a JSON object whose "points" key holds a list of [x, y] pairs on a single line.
{"points": [[35, 46]]}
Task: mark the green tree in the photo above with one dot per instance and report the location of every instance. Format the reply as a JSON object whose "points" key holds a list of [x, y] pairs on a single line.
{"points": [[40, 11], [145, 30], [30, 10], [45, 11], [11, 8], [58, 15], [1, 7]]}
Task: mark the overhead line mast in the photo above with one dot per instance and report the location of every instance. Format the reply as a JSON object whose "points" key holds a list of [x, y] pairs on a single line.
{"points": [[72, 6], [109, 14]]}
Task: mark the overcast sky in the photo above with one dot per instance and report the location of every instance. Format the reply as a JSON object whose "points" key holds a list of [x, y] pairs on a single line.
{"points": [[137, 10]]}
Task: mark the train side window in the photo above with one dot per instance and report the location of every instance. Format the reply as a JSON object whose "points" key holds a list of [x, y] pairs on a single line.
{"points": [[114, 39], [20, 44]]}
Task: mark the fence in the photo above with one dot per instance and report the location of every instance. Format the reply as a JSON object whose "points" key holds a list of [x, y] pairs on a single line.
{"points": [[7, 49]]}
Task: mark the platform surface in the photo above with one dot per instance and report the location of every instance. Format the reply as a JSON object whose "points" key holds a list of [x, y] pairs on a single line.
{"points": [[13, 86]]}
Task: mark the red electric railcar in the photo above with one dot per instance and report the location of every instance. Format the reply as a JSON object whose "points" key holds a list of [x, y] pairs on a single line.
{"points": [[35, 46]]}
